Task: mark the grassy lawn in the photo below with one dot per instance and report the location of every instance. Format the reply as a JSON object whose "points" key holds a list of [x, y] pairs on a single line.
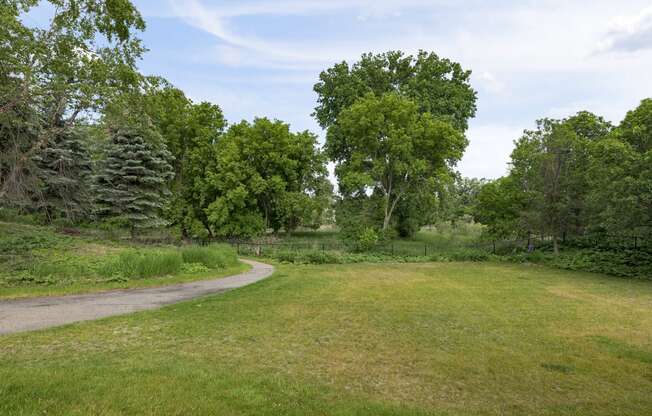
{"points": [[38, 261], [362, 339]]}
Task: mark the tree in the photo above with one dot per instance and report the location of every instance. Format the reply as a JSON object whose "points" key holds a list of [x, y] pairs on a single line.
{"points": [[50, 77], [500, 205], [437, 85], [385, 145], [459, 197], [264, 177], [132, 182], [636, 128], [620, 176], [545, 163], [64, 169]]}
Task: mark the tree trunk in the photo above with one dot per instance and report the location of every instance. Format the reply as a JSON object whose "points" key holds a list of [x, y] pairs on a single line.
{"points": [[386, 221]]}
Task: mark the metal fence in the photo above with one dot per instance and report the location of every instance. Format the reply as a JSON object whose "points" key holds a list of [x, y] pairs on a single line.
{"points": [[413, 248]]}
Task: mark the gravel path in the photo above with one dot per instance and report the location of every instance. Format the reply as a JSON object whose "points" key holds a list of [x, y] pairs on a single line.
{"points": [[37, 313]]}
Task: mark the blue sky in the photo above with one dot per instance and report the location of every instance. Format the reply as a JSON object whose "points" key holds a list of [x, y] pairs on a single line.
{"points": [[530, 59]]}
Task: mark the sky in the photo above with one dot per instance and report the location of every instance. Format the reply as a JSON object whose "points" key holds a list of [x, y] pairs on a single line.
{"points": [[529, 59]]}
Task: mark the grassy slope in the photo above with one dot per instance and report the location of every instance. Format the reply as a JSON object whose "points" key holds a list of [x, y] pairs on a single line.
{"points": [[90, 285], [37, 261], [446, 338]]}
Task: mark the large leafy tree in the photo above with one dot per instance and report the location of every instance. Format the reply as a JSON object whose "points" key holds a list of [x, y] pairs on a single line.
{"points": [[620, 176], [546, 163], [439, 90], [264, 176], [385, 145], [437, 85], [52, 76], [548, 190]]}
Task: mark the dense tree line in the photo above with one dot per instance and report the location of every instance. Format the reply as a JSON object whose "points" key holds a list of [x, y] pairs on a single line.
{"points": [[575, 176], [85, 137]]}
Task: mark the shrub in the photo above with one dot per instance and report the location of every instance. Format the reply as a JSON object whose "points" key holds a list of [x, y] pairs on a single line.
{"points": [[285, 256], [321, 257], [366, 239], [469, 255], [213, 256]]}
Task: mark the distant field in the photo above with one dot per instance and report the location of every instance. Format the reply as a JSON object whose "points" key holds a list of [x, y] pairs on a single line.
{"points": [[363, 339]]}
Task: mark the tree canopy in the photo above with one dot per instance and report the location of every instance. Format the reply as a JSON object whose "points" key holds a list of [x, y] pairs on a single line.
{"points": [[265, 176], [437, 85], [385, 145]]}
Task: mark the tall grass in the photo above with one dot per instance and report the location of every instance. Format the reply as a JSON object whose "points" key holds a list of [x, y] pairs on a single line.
{"points": [[135, 264], [138, 264], [213, 256]]}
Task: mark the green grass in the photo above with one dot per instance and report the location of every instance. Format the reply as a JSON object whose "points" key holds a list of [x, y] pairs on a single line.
{"points": [[361, 339], [213, 256], [38, 260]]}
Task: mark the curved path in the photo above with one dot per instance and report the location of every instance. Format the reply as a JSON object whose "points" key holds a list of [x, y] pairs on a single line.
{"points": [[37, 313]]}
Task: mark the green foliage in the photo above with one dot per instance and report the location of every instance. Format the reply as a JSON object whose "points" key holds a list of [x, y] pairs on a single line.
{"points": [[500, 205], [190, 132], [24, 239], [52, 75], [64, 170], [437, 85], [264, 177], [213, 256], [395, 127], [365, 239], [132, 181], [623, 263], [385, 145], [136, 264], [577, 176], [636, 128], [469, 254]]}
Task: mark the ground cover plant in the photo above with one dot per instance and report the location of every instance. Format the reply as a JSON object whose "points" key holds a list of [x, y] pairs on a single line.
{"points": [[399, 339], [42, 260]]}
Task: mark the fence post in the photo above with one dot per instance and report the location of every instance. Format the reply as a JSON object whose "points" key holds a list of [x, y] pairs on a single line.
{"points": [[238, 247], [425, 250], [494, 246], [392, 249], [323, 248]]}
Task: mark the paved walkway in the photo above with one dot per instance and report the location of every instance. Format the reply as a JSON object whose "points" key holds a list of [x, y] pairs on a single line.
{"points": [[37, 313]]}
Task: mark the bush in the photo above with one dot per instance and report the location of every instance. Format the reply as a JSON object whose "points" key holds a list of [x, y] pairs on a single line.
{"points": [[469, 255], [321, 257], [366, 239], [135, 264], [623, 263], [214, 256]]}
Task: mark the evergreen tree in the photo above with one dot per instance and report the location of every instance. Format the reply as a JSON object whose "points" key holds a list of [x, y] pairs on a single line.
{"points": [[132, 183], [64, 170]]}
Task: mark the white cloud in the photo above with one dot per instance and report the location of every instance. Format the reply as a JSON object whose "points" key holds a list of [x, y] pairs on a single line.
{"points": [[489, 148], [529, 59], [491, 83], [629, 34]]}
